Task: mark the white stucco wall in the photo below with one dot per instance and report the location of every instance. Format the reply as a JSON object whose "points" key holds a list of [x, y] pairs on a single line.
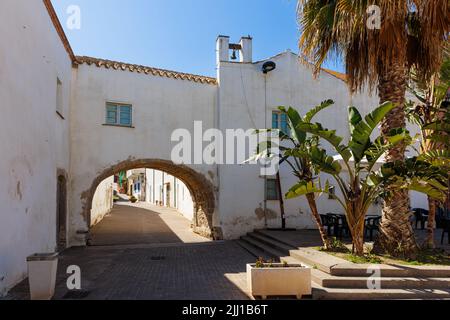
{"points": [[179, 195], [34, 140], [160, 105], [243, 95], [184, 203], [103, 200], [246, 100]]}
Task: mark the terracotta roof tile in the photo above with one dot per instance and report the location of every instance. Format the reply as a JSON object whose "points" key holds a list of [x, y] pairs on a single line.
{"points": [[108, 64], [338, 75]]}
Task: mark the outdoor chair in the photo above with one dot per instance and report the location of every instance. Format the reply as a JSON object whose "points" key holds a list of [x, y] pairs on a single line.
{"points": [[331, 223], [372, 224], [421, 216], [445, 229], [441, 215], [339, 224]]}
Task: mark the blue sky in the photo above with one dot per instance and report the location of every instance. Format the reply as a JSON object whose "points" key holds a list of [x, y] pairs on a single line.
{"points": [[180, 34]]}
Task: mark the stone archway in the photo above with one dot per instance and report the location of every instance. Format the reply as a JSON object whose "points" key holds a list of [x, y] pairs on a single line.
{"points": [[201, 189]]}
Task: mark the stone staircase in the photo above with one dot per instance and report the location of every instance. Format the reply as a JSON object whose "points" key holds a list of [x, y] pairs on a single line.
{"points": [[336, 278]]}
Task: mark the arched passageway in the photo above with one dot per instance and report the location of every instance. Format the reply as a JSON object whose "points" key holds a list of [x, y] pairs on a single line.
{"points": [[202, 191]]}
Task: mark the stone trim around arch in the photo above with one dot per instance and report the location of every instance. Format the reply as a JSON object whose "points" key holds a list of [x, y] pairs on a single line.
{"points": [[201, 189]]}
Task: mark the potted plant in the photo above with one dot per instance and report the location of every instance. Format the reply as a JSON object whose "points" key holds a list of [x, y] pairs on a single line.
{"points": [[133, 199], [42, 269], [278, 279]]}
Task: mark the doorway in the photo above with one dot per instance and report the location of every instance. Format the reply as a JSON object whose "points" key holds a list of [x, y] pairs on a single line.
{"points": [[61, 213]]}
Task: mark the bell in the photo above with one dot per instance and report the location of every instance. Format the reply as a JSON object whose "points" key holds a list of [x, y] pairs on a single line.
{"points": [[233, 56]]}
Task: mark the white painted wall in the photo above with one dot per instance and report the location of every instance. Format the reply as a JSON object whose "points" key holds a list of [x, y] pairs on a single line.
{"points": [[244, 92], [136, 183], [184, 203], [34, 140], [247, 98], [102, 202], [179, 195], [160, 105]]}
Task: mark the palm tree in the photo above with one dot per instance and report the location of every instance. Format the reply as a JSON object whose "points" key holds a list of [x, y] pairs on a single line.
{"points": [[411, 34]]}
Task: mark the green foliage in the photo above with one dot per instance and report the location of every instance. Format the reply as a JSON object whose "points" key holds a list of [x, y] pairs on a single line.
{"points": [[336, 245], [261, 263], [362, 182], [414, 174], [301, 189], [364, 259], [314, 111], [362, 130], [328, 135]]}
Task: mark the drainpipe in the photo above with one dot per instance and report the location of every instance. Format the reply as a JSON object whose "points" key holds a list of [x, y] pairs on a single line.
{"points": [[265, 127], [266, 68]]}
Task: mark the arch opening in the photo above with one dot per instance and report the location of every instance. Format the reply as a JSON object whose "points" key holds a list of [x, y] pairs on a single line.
{"points": [[200, 188]]}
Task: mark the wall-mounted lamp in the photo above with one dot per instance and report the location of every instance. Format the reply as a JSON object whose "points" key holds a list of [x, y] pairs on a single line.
{"points": [[268, 67]]}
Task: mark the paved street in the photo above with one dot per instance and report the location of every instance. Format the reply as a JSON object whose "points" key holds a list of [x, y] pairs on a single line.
{"points": [[213, 270], [143, 223], [147, 252]]}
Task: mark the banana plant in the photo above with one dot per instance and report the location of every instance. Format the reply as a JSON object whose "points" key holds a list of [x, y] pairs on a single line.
{"points": [[355, 171], [431, 114], [295, 151]]}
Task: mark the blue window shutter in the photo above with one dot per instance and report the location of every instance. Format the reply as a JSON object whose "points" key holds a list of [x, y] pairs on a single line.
{"points": [[125, 115], [111, 114], [275, 120]]}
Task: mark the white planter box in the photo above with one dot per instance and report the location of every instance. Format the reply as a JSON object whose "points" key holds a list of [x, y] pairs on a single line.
{"points": [[294, 280], [42, 275]]}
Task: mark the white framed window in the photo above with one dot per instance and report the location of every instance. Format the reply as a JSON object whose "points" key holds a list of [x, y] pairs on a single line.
{"points": [[280, 121], [118, 114]]}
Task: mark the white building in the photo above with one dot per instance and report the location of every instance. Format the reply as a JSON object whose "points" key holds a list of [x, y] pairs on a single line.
{"points": [[72, 122], [161, 189]]}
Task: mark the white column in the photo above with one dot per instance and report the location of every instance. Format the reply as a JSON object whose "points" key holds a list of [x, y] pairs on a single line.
{"points": [[222, 49], [246, 55]]}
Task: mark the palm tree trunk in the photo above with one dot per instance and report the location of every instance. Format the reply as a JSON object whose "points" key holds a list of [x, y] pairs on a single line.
{"points": [[396, 234], [431, 223], [315, 213], [358, 240], [357, 232]]}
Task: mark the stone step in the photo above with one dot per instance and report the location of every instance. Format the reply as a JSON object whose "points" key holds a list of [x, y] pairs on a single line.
{"points": [[279, 246], [329, 281], [270, 235], [254, 251], [316, 259], [272, 252], [321, 293], [358, 270], [342, 268]]}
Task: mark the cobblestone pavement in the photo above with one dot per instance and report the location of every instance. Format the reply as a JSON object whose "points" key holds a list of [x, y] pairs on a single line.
{"points": [[214, 270], [140, 223]]}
